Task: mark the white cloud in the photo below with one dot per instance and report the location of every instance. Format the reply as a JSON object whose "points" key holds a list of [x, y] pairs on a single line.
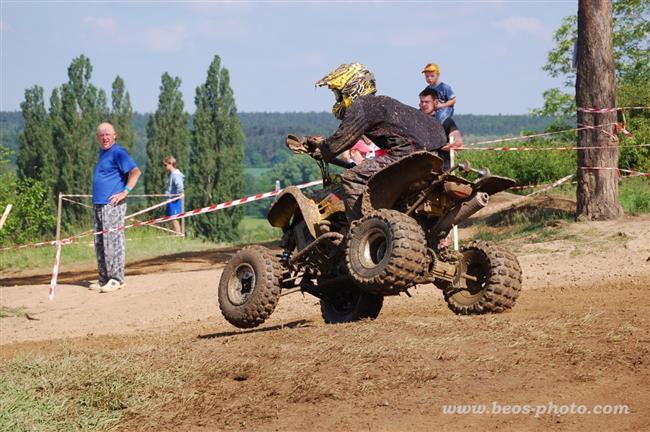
{"points": [[165, 39], [514, 25]]}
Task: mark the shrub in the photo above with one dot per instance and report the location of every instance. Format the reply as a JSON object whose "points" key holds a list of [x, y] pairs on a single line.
{"points": [[32, 216]]}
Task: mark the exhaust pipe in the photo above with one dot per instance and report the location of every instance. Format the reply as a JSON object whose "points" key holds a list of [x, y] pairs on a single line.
{"points": [[460, 213]]}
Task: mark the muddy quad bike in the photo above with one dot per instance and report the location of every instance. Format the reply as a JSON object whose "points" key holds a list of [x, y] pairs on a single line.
{"points": [[408, 208]]}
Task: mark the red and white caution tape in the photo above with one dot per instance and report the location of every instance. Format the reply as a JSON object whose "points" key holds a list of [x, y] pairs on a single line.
{"points": [[633, 173], [533, 186], [214, 207], [543, 134], [71, 239], [610, 110], [43, 243], [552, 185], [544, 148], [208, 209], [55, 270], [176, 198]]}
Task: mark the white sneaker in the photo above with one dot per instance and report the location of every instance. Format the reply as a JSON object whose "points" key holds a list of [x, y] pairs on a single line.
{"points": [[95, 286], [112, 285]]}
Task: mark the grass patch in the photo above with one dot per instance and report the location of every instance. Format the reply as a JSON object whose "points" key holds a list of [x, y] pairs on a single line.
{"points": [[142, 243], [252, 230], [79, 390], [634, 194], [6, 312], [536, 229]]}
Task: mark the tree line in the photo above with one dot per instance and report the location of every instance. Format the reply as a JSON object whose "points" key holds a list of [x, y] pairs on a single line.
{"points": [[57, 149], [264, 133]]}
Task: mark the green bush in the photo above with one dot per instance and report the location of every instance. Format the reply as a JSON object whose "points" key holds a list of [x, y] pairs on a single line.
{"points": [[635, 93], [634, 194], [32, 216], [526, 167]]}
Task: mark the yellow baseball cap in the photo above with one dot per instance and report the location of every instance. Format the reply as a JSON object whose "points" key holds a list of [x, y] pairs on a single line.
{"points": [[431, 67]]}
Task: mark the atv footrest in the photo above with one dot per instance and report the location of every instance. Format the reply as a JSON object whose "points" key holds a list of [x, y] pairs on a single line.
{"points": [[320, 252]]}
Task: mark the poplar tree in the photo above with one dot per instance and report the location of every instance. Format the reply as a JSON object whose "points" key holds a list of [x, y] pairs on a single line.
{"points": [[77, 112], [216, 169], [36, 157], [121, 115], [167, 135]]}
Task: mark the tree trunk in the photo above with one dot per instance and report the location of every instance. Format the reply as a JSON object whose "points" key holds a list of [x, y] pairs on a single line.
{"points": [[597, 192]]}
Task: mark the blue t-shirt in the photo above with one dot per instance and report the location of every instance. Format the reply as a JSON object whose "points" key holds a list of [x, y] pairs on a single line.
{"points": [[445, 92], [111, 173]]}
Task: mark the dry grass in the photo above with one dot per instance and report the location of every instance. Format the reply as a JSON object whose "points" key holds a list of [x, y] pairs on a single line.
{"points": [[246, 379]]}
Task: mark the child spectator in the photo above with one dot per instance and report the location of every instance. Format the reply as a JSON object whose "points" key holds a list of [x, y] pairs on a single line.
{"points": [[174, 187], [446, 96]]}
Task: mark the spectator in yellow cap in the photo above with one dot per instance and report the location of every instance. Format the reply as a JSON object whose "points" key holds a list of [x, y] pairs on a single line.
{"points": [[444, 105]]}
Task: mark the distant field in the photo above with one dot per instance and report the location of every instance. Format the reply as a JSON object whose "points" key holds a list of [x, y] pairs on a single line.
{"points": [[256, 172]]}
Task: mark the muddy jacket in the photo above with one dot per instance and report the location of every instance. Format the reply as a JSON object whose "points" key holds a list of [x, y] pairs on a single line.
{"points": [[388, 123]]}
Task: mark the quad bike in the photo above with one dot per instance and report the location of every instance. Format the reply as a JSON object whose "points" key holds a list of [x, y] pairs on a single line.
{"points": [[408, 210]]}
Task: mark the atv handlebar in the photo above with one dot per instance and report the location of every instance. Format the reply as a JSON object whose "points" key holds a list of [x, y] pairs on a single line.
{"points": [[311, 145], [342, 163]]}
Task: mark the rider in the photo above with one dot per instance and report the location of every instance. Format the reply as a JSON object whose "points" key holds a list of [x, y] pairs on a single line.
{"points": [[390, 124]]}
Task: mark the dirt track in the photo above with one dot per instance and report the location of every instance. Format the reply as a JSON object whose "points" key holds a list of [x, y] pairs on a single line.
{"points": [[579, 334]]}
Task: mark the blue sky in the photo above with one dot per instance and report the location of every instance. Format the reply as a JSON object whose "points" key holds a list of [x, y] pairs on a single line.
{"points": [[490, 52]]}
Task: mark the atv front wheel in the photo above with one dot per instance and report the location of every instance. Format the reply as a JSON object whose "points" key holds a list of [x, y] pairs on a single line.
{"points": [[386, 252], [350, 304], [497, 284], [249, 288]]}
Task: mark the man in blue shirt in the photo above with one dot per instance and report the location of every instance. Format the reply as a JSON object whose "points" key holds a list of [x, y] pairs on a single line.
{"points": [[115, 175]]}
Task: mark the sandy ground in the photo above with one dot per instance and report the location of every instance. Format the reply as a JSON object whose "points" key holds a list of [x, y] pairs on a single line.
{"points": [[615, 253], [580, 293]]}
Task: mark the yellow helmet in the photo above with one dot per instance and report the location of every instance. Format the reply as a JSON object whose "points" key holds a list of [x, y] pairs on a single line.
{"points": [[348, 81]]}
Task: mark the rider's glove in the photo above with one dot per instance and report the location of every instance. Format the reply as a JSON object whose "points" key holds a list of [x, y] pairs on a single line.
{"points": [[326, 154]]}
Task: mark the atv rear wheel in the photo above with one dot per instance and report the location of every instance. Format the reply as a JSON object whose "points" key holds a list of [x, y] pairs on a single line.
{"points": [[386, 252], [350, 304], [249, 288], [497, 285]]}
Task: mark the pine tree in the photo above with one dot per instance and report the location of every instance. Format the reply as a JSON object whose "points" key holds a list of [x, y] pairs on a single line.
{"points": [[216, 169], [121, 115], [36, 157], [76, 114], [167, 135]]}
